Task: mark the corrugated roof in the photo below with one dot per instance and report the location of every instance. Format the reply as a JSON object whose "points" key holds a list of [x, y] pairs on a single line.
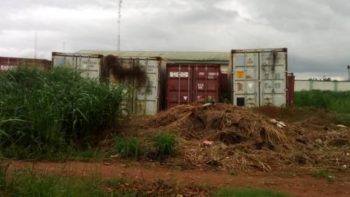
{"points": [[169, 55]]}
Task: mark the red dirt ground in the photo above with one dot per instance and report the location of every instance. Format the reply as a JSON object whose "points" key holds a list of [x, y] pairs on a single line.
{"points": [[299, 185]]}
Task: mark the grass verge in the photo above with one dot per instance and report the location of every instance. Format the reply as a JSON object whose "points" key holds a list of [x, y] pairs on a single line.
{"points": [[248, 192]]}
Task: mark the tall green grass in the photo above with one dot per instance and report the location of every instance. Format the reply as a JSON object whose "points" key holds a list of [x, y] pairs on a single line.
{"points": [[46, 113], [334, 101]]}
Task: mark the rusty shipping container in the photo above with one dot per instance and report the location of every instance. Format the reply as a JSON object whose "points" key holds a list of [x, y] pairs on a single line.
{"points": [[9, 63], [290, 87], [259, 77], [143, 100], [187, 83], [89, 65]]}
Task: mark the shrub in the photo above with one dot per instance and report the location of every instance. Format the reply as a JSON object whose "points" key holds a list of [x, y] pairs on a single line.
{"points": [[128, 147], [44, 113], [165, 145]]}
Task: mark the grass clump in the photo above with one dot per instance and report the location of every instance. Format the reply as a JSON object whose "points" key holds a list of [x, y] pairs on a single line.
{"points": [[165, 145], [43, 114], [248, 192], [323, 174], [128, 147], [28, 183]]}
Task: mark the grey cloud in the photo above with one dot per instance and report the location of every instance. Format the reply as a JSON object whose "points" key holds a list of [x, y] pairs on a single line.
{"points": [[315, 31]]}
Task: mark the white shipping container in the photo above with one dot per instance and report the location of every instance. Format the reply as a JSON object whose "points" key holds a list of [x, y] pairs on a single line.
{"points": [[145, 99], [89, 65], [259, 77]]}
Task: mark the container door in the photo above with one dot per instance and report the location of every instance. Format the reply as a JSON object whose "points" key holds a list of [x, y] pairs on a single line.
{"points": [[273, 78], [89, 67], [147, 99], [245, 79], [206, 82], [179, 86]]}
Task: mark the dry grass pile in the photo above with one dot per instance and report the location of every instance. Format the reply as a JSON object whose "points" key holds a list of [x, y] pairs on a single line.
{"points": [[234, 138], [222, 122]]}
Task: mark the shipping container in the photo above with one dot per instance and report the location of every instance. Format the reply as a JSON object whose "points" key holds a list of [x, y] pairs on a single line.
{"points": [[290, 87], [89, 65], [146, 98], [9, 63], [259, 77], [187, 83]]}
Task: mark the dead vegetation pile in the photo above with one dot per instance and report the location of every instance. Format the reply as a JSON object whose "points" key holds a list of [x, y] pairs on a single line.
{"points": [[234, 138], [222, 122]]}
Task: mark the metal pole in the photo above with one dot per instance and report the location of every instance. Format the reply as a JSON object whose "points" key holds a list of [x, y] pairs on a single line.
{"points": [[349, 72], [35, 44], [119, 22]]}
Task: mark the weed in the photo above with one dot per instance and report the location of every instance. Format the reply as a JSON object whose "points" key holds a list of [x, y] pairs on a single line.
{"points": [[165, 145], [248, 192], [43, 114], [128, 147], [323, 174]]}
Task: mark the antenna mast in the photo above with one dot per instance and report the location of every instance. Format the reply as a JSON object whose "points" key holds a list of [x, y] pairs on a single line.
{"points": [[119, 22]]}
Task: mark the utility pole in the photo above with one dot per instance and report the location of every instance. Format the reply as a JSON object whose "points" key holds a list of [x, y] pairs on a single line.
{"points": [[349, 72], [35, 44], [119, 22]]}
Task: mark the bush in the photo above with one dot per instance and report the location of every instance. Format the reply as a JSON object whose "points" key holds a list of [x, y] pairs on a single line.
{"points": [[45, 113], [165, 145], [128, 147]]}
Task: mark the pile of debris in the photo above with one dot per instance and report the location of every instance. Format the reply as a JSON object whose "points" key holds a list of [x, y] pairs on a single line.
{"points": [[235, 138], [225, 123]]}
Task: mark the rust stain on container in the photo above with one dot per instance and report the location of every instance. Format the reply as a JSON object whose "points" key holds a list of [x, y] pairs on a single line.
{"points": [[187, 83], [290, 87]]}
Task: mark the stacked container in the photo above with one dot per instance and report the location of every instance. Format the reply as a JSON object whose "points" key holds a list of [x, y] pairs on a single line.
{"points": [[259, 77]]}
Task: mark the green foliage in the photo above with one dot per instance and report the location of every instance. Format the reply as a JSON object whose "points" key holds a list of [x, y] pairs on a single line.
{"points": [[165, 145], [323, 174], [128, 147], [27, 183], [338, 102], [45, 113], [334, 101], [248, 192]]}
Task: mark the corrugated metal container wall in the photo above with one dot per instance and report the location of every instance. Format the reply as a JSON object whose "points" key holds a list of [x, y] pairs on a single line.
{"points": [[187, 83], [290, 87], [245, 79], [9, 63], [145, 99], [273, 71], [259, 77], [88, 65]]}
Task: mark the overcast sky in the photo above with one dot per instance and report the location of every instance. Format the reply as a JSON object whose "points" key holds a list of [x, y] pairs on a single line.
{"points": [[316, 32]]}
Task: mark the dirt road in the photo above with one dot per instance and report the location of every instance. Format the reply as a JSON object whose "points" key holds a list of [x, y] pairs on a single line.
{"points": [[305, 185]]}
